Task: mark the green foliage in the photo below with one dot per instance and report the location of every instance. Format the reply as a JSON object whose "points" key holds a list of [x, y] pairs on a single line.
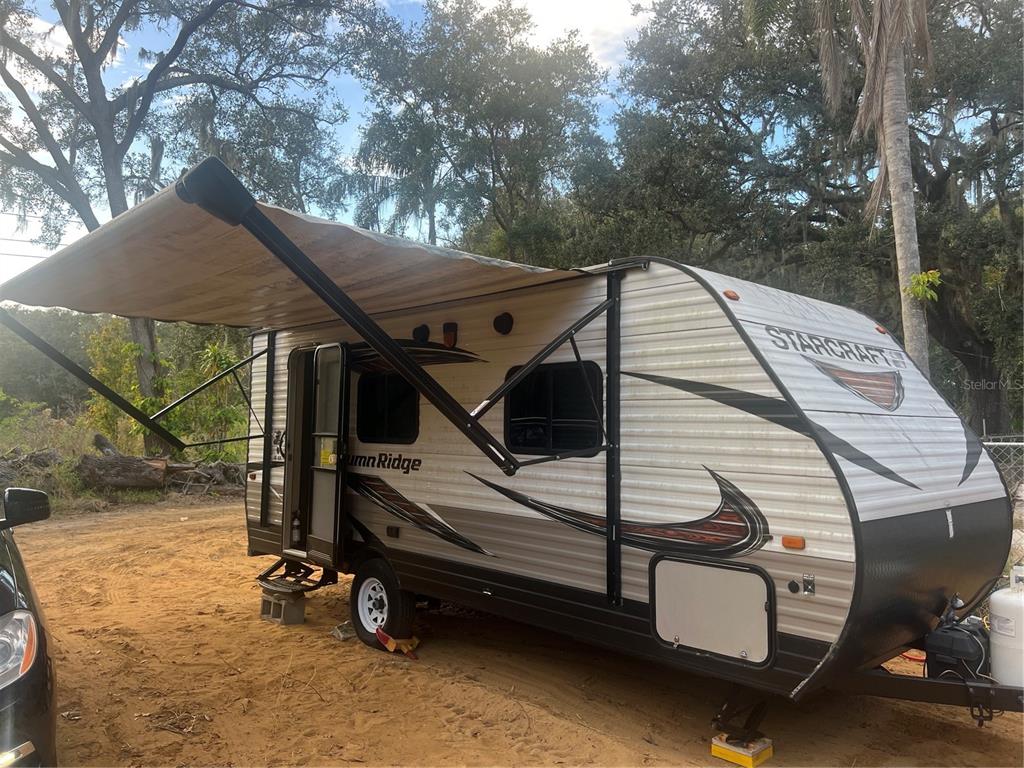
{"points": [[112, 354], [726, 156], [400, 173], [33, 427], [193, 354], [196, 354], [27, 374], [477, 112], [923, 284]]}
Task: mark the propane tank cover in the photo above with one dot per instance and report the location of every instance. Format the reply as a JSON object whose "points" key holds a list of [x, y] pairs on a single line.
{"points": [[1006, 639]]}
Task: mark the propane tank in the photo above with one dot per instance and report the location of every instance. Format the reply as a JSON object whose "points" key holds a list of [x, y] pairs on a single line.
{"points": [[1006, 626]]}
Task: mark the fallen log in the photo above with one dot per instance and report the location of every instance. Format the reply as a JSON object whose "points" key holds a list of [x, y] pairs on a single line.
{"points": [[121, 472]]}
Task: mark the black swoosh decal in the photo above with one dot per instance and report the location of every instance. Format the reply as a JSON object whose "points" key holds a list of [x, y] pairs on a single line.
{"points": [[778, 412], [387, 498], [768, 408], [365, 358], [735, 528], [842, 448], [973, 453]]}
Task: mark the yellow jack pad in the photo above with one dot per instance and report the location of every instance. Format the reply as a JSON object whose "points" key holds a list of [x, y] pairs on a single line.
{"points": [[748, 755]]}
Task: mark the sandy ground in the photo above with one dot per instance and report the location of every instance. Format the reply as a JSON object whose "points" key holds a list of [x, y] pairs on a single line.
{"points": [[162, 660]]}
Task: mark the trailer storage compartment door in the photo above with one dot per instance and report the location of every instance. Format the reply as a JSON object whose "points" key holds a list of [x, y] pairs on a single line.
{"points": [[724, 610]]}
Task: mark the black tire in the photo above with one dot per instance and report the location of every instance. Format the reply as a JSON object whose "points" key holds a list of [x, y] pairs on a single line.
{"points": [[399, 609]]}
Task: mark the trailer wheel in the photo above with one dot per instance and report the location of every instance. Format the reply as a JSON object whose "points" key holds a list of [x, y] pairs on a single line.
{"points": [[376, 601]]}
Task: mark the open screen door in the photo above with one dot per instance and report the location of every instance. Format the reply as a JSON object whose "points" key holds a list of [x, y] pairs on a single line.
{"points": [[327, 464]]}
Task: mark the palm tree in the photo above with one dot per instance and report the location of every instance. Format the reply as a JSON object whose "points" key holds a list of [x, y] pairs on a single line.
{"points": [[399, 174], [887, 33]]}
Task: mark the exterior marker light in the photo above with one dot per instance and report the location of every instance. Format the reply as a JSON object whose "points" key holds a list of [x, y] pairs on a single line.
{"points": [[731, 295], [421, 334], [451, 334]]}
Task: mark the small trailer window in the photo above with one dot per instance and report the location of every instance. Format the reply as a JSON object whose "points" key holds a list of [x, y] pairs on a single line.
{"points": [[555, 409], [388, 410]]}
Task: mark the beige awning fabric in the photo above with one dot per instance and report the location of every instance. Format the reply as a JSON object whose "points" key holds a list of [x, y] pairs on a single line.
{"points": [[170, 260]]}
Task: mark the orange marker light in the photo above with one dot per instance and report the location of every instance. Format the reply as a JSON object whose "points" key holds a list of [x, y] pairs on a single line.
{"points": [[30, 648], [731, 294], [451, 334], [793, 542], [880, 329]]}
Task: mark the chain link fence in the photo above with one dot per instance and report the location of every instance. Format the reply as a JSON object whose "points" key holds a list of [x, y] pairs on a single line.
{"points": [[1008, 452]]}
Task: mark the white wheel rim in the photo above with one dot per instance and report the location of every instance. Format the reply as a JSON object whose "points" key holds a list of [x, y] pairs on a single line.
{"points": [[372, 603]]}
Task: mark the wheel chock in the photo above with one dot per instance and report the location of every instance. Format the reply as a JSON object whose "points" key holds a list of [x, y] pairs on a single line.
{"points": [[748, 754], [406, 646]]}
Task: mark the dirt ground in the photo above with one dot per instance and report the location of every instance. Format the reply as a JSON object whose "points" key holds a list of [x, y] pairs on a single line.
{"points": [[162, 660]]}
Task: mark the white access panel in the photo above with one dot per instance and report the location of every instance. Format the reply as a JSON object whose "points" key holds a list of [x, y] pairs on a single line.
{"points": [[713, 609]]}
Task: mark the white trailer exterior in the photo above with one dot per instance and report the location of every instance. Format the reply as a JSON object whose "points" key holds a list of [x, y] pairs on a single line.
{"points": [[718, 397], [683, 465]]}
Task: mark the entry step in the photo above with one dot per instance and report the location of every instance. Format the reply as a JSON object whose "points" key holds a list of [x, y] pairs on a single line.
{"points": [[291, 577]]}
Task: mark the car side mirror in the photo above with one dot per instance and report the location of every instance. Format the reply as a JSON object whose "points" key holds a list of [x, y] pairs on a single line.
{"points": [[24, 505]]}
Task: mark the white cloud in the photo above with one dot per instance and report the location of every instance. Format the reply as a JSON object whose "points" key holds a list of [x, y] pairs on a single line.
{"points": [[49, 38], [604, 25]]}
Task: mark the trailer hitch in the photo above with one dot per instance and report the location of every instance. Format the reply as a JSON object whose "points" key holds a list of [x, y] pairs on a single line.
{"points": [[980, 699]]}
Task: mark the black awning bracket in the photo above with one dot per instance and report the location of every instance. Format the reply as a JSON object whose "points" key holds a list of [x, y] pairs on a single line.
{"points": [[210, 381], [527, 368], [149, 422], [223, 440], [215, 189]]}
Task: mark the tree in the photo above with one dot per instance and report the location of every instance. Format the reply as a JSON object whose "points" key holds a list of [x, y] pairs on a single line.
{"points": [[506, 118], [884, 34], [400, 173], [242, 80], [726, 156], [30, 376]]}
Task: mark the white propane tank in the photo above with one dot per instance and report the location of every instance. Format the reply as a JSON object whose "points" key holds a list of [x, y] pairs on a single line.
{"points": [[1006, 630]]}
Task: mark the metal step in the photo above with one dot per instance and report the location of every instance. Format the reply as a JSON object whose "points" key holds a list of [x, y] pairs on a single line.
{"points": [[291, 577]]}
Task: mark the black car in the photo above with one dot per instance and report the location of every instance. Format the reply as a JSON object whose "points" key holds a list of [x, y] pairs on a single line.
{"points": [[27, 715]]}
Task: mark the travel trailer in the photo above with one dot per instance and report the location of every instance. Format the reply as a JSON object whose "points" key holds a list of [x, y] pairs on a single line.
{"points": [[685, 466]]}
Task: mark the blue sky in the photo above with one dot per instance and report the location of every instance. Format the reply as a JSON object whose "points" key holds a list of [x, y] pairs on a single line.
{"points": [[605, 25]]}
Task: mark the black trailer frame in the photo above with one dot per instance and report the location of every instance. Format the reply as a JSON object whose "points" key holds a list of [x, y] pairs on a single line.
{"points": [[982, 697]]}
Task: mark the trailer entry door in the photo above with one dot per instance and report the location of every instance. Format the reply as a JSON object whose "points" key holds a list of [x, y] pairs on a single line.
{"points": [[329, 436]]}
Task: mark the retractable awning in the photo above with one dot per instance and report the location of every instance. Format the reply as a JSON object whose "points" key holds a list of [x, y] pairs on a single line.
{"points": [[167, 259], [205, 251]]}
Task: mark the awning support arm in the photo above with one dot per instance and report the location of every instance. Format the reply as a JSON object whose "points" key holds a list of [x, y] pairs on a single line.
{"points": [[149, 422], [590, 389], [88, 379], [527, 368], [224, 440], [248, 400], [214, 188], [212, 380]]}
